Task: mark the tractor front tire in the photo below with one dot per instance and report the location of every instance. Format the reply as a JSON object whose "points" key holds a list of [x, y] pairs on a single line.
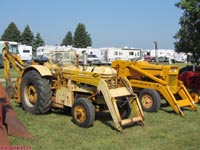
{"points": [[35, 93], [149, 100], [83, 112]]}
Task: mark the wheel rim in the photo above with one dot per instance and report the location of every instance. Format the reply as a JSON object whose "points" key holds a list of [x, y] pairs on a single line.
{"points": [[147, 101], [80, 113], [31, 95], [194, 96]]}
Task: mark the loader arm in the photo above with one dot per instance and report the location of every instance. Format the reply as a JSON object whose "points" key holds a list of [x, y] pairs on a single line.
{"points": [[163, 79]]}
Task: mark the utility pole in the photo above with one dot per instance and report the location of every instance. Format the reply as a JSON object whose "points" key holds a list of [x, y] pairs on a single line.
{"points": [[156, 51]]}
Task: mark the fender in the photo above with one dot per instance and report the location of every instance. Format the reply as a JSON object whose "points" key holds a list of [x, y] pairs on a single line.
{"points": [[43, 70]]}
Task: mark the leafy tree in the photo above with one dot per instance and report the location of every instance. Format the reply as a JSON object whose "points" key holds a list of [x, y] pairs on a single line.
{"points": [[68, 40], [38, 41], [27, 36], [11, 33], [81, 37], [188, 37]]}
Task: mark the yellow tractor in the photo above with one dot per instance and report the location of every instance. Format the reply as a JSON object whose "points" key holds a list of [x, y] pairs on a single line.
{"points": [[153, 82], [60, 82]]}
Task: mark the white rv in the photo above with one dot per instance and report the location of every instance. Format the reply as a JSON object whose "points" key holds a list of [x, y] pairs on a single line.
{"points": [[132, 53], [25, 52], [107, 55]]}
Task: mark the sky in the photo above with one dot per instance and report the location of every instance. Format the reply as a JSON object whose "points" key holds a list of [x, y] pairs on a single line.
{"points": [[110, 23]]}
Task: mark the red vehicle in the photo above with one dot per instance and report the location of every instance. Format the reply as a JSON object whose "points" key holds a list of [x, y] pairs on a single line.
{"points": [[190, 76]]}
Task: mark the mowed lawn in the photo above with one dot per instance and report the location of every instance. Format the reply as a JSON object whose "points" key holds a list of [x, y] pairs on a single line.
{"points": [[162, 131]]}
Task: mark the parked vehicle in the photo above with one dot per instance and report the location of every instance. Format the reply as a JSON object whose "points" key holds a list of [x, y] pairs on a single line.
{"points": [[93, 59], [25, 52], [60, 82]]}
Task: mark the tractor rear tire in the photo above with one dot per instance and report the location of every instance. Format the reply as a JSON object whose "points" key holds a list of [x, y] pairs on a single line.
{"points": [[83, 112], [35, 93], [149, 100]]}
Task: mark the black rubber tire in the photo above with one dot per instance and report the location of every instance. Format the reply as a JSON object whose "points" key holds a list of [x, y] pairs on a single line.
{"points": [[43, 93], [187, 68], [154, 96], [124, 109], [89, 112]]}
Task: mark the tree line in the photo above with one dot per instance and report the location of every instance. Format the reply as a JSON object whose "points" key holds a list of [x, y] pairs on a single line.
{"points": [[81, 38], [187, 37]]}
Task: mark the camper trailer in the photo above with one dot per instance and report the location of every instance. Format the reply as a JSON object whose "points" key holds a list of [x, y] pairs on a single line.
{"points": [[107, 55], [25, 52], [132, 53]]}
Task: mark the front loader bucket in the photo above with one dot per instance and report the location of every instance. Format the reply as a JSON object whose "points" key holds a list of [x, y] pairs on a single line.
{"points": [[10, 121], [3, 132], [14, 125], [110, 96]]}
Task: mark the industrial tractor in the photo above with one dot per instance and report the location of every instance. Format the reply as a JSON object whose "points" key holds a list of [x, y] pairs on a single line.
{"points": [[60, 82], [153, 82]]}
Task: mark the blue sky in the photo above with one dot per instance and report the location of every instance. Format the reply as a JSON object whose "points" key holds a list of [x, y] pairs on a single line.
{"points": [[118, 23]]}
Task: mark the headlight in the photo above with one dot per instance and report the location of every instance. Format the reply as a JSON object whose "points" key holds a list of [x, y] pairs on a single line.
{"points": [[173, 70]]}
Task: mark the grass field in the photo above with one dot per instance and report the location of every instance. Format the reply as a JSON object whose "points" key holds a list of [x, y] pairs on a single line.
{"points": [[162, 131]]}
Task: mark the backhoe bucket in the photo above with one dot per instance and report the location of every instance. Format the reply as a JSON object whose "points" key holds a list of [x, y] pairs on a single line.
{"points": [[3, 132], [10, 121]]}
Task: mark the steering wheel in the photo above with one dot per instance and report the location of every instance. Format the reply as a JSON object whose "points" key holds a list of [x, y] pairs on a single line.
{"points": [[57, 57]]}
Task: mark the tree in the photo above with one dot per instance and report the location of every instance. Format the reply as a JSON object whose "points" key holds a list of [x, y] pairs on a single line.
{"points": [[68, 40], [11, 33], [27, 36], [89, 40], [38, 41], [81, 37], [188, 37]]}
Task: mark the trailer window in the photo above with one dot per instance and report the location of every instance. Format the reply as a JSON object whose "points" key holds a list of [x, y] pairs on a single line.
{"points": [[115, 52], [131, 53], [26, 51]]}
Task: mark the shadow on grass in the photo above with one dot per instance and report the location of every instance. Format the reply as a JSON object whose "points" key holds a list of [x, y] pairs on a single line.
{"points": [[167, 108], [106, 118], [102, 116]]}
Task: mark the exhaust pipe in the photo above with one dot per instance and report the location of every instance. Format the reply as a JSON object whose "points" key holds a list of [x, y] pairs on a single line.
{"points": [[84, 60]]}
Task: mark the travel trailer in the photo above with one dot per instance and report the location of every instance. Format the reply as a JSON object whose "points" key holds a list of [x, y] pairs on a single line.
{"points": [[25, 52], [107, 55]]}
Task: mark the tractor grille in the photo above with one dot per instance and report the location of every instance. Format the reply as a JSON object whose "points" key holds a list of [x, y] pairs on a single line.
{"points": [[172, 80]]}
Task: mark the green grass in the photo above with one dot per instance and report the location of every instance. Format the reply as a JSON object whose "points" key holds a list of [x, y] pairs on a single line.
{"points": [[13, 73], [162, 131]]}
